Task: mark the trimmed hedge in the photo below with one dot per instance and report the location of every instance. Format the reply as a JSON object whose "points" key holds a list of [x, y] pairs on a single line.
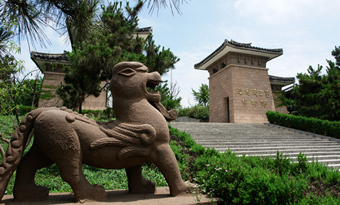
{"points": [[317, 126]]}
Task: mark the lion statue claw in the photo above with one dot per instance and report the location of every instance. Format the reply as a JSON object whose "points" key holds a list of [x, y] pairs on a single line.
{"points": [[65, 138]]}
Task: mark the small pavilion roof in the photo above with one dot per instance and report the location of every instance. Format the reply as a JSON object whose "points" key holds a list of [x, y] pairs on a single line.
{"points": [[40, 59], [234, 46], [283, 81], [145, 30]]}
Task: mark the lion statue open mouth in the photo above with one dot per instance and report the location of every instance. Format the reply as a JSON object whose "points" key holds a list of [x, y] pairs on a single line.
{"points": [[65, 138], [149, 82]]}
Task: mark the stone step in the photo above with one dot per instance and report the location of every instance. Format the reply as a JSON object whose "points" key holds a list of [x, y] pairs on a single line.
{"points": [[328, 161], [308, 154], [263, 132], [271, 146], [272, 140], [263, 140], [333, 160], [284, 151], [334, 165], [295, 158], [248, 137], [266, 144], [282, 147]]}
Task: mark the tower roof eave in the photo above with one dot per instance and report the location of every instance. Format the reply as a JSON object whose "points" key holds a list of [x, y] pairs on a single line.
{"points": [[282, 81], [40, 59], [233, 46]]}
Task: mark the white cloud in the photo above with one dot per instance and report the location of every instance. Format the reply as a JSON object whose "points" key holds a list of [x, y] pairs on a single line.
{"points": [[284, 12]]}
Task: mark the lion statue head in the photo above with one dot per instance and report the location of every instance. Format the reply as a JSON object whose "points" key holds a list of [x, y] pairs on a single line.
{"points": [[132, 81]]}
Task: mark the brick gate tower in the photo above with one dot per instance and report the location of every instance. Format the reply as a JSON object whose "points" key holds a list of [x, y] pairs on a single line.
{"points": [[240, 89]]}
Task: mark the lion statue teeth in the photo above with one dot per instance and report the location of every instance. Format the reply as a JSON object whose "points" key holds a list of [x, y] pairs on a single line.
{"points": [[139, 135]]}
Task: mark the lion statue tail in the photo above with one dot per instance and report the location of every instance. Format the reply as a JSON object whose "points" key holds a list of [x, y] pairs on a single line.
{"points": [[16, 147]]}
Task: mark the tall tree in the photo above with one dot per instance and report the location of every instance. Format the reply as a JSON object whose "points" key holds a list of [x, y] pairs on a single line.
{"points": [[111, 41], [76, 18], [173, 4], [70, 16], [318, 95], [202, 95], [31, 96], [157, 59], [169, 95], [11, 87], [336, 54], [5, 40]]}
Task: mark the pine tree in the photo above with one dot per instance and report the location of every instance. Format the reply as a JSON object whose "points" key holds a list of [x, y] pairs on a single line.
{"points": [[111, 41], [73, 17], [318, 95], [202, 95]]}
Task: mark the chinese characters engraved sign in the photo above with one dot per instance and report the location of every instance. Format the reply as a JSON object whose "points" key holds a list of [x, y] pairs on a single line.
{"points": [[258, 96]]}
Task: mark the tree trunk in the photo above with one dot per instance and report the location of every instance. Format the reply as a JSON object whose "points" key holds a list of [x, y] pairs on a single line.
{"points": [[34, 90], [80, 110]]}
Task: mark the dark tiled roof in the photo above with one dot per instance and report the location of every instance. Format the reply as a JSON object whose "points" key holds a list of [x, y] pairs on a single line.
{"points": [[248, 45], [235, 44], [281, 79], [146, 29], [63, 57], [49, 57]]}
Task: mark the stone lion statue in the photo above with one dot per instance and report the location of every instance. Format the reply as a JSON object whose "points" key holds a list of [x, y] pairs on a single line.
{"points": [[139, 135]]}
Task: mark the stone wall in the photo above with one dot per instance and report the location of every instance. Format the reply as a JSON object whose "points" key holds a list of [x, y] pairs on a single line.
{"points": [[220, 89], [93, 103], [248, 90], [48, 98], [278, 107]]}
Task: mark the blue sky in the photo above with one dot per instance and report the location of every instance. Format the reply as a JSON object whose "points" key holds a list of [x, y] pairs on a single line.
{"points": [[306, 30]]}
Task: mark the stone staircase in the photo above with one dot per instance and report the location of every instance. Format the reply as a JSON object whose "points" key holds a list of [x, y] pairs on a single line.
{"points": [[263, 140]]}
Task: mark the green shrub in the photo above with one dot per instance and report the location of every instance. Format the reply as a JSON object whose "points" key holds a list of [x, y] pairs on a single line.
{"points": [[317, 126], [249, 180], [23, 110], [106, 114], [198, 112], [93, 113]]}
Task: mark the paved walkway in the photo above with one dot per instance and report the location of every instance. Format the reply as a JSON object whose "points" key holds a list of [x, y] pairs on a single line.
{"points": [[263, 140], [121, 197]]}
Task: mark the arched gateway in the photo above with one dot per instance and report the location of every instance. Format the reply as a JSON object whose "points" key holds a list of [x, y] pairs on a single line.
{"points": [[240, 89]]}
